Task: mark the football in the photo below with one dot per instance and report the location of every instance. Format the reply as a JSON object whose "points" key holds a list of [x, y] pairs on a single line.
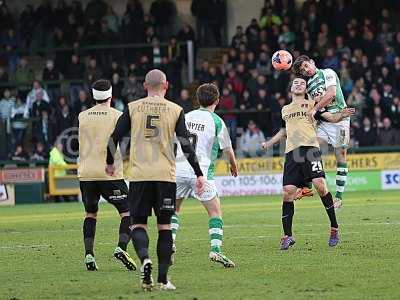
{"points": [[282, 60]]}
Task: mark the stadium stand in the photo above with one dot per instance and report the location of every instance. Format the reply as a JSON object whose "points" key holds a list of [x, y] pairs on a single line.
{"points": [[52, 54]]}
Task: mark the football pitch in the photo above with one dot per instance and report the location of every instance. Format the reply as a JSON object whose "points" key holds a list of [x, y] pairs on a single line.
{"points": [[41, 252]]}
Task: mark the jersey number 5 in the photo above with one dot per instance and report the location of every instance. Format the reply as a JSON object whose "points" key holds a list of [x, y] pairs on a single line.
{"points": [[152, 130]]}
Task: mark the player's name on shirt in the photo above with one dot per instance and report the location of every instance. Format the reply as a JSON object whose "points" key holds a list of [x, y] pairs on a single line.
{"points": [[295, 115], [97, 113], [151, 107], [195, 126]]}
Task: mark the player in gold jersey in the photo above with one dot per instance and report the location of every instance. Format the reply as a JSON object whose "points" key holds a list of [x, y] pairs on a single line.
{"points": [[153, 122], [95, 126], [303, 161]]}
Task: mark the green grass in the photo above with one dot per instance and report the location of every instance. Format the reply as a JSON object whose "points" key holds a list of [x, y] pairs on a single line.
{"points": [[41, 253]]}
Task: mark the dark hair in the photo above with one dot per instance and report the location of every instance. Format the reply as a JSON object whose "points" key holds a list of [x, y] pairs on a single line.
{"points": [[207, 94], [297, 64], [101, 85]]}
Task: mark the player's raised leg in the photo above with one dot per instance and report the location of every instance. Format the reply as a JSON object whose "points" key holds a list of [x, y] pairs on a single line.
{"points": [[327, 201], [216, 232], [289, 194], [341, 175]]}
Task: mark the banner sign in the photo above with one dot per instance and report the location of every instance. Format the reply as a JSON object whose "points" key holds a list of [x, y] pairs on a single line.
{"points": [[390, 179], [22, 175], [356, 162], [357, 181], [249, 185]]}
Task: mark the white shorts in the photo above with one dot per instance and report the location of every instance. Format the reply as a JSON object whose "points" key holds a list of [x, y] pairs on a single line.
{"points": [[335, 134], [186, 187]]}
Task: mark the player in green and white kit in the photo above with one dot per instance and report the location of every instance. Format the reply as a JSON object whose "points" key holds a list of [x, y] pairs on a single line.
{"points": [[323, 86], [209, 136]]}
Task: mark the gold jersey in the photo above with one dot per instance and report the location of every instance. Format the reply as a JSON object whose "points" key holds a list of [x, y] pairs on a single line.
{"points": [[95, 127], [153, 124], [300, 131]]}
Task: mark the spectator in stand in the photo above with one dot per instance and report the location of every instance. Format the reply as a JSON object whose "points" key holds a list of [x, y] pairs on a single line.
{"points": [[386, 134], [133, 22], [227, 102], [184, 101], [115, 68], [111, 20], [39, 105], [82, 104], [200, 10], [63, 116], [366, 134], [27, 25], [43, 131], [93, 71], [251, 140], [395, 115], [36, 93], [117, 86], [74, 73], [4, 78], [40, 152], [50, 73], [238, 38], [10, 44], [164, 14], [235, 82], [23, 77], [132, 89], [6, 105], [203, 74], [19, 115], [20, 154]]}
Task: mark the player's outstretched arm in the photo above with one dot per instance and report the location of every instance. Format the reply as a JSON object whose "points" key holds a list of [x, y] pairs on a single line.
{"points": [[275, 139], [337, 117], [122, 128], [187, 148], [232, 161]]}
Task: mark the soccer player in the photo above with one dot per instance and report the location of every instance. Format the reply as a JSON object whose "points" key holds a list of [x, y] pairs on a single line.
{"points": [[303, 161], [323, 86], [153, 122], [95, 127], [208, 135]]}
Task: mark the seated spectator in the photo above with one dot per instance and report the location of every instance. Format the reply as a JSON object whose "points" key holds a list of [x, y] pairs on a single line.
{"points": [[36, 92], [43, 131], [115, 68], [227, 103], [366, 134], [3, 75], [23, 76], [184, 101], [6, 105], [386, 134], [50, 73], [93, 72], [39, 105], [117, 86], [74, 73], [19, 116], [40, 152], [83, 103], [250, 141], [132, 89], [20, 153]]}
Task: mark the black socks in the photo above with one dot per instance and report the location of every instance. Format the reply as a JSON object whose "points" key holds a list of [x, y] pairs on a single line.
{"points": [[89, 231], [287, 217]]}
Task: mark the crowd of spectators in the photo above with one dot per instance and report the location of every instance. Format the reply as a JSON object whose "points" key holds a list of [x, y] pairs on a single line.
{"points": [[361, 45]]}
